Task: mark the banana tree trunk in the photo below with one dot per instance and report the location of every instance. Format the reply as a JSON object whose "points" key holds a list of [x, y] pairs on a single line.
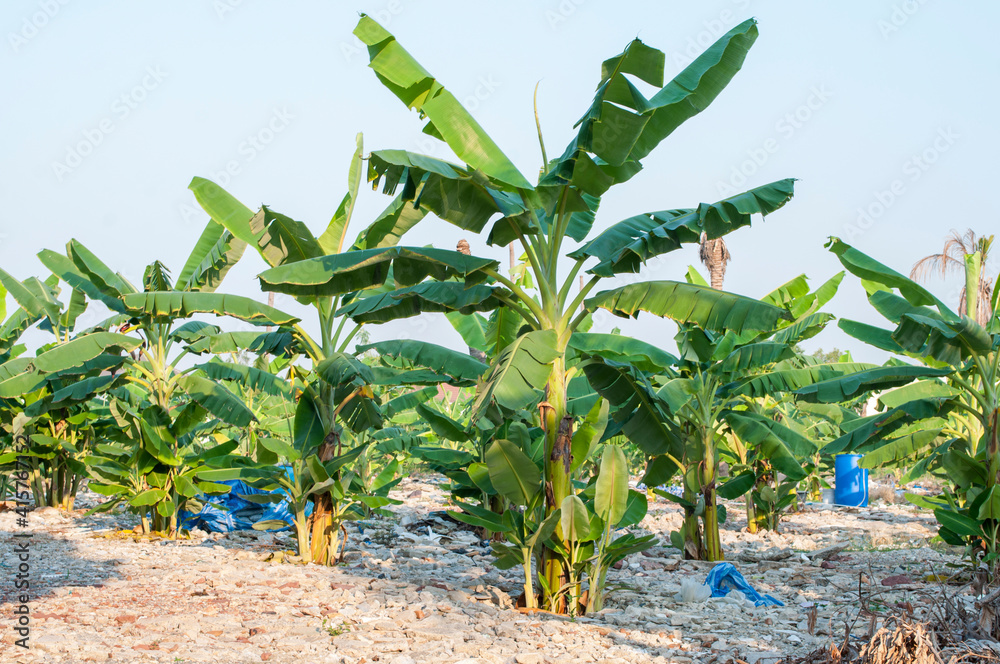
{"points": [[691, 526], [558, 426], [751, 514], [322, 530], [302, 533], [713, 545], [325, 532]]}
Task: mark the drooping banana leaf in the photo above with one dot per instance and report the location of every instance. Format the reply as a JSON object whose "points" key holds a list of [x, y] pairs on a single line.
{"points": [[216, 399], [625, 246], [687, 303], [619, 348], [78, 351], [66, 270], [461, 367], [645, 416], [251, 378], [369, 268], [866, 267], [459, 196], [431, 296], [170, 305]]}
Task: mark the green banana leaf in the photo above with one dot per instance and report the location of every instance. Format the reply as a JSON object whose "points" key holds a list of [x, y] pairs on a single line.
{"points": [[216, 399], [644, 415], [460, 196], [82, 349], [513, 474], [622, 126], [519, 372], [427, 297], [168, 306], [215, 253], [687, 303], [462, 368], [471, 327], [446, 118], [369, 268], [611, 494], [619, 348], [625, 246]]}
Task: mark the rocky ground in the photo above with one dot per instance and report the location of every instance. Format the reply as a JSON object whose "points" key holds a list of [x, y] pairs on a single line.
{"points": [[416, 588]]}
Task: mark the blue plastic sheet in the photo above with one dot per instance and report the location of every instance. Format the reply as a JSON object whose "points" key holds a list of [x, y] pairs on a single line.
{"points": [[724, 577], [225, 512]]}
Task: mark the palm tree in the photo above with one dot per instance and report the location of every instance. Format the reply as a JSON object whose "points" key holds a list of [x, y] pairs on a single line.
{"points": [[715, 255], [952, 258]]}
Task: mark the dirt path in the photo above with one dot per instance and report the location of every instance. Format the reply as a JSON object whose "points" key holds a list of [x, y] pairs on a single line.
{"points": [[417, 589]]}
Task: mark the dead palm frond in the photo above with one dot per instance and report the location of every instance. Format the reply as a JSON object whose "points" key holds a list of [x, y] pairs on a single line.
{"points": [[952, 259]]}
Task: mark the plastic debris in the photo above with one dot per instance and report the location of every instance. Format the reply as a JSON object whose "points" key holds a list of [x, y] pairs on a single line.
{"points": [[226, 512], [693, 592], [725, 577]]}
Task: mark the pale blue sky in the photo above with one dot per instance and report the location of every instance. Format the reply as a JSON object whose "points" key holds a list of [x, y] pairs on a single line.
{"points": [[841, 95]]}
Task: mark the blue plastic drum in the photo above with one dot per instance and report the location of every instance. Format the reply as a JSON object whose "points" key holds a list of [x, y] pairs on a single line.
{"points": [[850, 484]]}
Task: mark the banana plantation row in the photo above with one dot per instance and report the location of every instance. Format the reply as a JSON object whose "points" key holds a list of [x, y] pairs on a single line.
{"points": [[157, 407]]}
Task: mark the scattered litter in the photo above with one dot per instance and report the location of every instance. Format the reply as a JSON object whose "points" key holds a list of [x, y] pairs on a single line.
{"points": [[693, 592], [227, 512], [724, 577]]}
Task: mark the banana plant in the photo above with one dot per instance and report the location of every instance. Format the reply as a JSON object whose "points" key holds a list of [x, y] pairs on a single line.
{"points": [[329, 274], [167, 402], [157, 465], [680, 418], [49, 397], [941, 415], [621, 127], [581, 531]]}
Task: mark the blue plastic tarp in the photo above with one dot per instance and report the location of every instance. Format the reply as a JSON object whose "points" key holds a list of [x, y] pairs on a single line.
{"points": [[724, 577], [222, 513]]}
